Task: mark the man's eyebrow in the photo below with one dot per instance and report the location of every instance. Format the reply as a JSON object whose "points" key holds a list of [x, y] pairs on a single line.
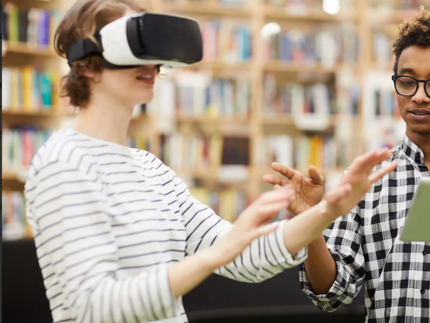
{"points": [[406, 70]]}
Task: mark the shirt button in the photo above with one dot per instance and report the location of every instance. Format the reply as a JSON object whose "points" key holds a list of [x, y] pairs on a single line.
{"points": [[424, 252], [422, 291]]}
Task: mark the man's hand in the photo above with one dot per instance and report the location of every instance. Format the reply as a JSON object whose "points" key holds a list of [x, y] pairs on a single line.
{"points": [[309, 191]]}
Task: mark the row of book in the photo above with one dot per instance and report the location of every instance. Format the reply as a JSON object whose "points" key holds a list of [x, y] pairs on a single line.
{"points": [[199, 94], [14, 221], [325, 44], [300, 152], [35, 26], [382, 49], [295, 99], [302, 7], [201, 153], [19, 147], [223, 3], [226, 41], [227, 203], [27, 89], [138, 141], [398, 4], [386, 104]]}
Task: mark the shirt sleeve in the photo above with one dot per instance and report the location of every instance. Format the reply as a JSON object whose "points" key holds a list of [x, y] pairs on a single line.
{"points": [[344, 241], [264, 258], [78, 254]]}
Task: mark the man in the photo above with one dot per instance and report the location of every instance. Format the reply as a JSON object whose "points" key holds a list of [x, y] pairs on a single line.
{"points": [[364, 246]]}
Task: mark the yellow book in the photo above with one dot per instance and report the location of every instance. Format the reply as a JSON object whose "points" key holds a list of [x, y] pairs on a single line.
{"points": [[201, 194], [27, 87], [215, 151], [55, 79], [140, 141], [227, 205], [317, 152]]}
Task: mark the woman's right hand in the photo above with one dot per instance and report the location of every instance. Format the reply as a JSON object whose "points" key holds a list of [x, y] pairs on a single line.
{"points": [[357, 181], [250, 225]]}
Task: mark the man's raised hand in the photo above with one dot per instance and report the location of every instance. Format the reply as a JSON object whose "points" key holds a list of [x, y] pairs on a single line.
{"points": [[309, 191]]}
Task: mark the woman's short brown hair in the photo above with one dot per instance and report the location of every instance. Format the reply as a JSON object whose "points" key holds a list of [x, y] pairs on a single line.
{"points": [[413, 31], [81, 21]]}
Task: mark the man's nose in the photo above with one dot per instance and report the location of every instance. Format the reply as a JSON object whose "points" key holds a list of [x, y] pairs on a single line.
{"points": [[421, 95]]}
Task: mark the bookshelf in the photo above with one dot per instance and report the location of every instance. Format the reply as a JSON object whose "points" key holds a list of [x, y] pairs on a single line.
{"points": [[241, 80]]}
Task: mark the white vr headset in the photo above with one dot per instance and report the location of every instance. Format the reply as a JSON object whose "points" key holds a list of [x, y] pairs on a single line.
{"points": [[143, 39]]}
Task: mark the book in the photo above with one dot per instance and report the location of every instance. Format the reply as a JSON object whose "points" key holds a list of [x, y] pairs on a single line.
{"points": [[19, 147], [227, 41], [203, 153], [199, 94], [299, 101], [34, 26], [14, 222], [227, 203], [29, 90], [324, 44]]}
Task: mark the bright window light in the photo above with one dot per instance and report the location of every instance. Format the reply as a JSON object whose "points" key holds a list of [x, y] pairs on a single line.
{"points": [[270, 30], [331, 6]]}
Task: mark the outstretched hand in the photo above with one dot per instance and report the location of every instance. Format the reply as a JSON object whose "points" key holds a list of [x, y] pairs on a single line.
{"points": [[308, 191], [357, 181], [250, 224]]}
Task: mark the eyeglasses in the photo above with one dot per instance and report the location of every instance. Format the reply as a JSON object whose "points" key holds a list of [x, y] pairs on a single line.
{"points": [[408, 86]]}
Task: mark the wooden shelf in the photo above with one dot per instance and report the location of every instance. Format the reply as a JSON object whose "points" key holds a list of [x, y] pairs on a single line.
{"points": [[9, 176], [284, 119], [212, 9], [396, 16], [223, 65], [297, 67], [19, 112], [207, 119], [24, 48], [282, 14]]}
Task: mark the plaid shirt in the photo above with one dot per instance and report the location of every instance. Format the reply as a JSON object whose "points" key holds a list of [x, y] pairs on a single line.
{"points": [[366, 248]]}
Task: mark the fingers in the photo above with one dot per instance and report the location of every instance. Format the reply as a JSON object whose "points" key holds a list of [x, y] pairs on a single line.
{"points": [[274, 180], [282, 193], [337, 194], [284, 170], [369, 160], [316, 178], [382, 172]]}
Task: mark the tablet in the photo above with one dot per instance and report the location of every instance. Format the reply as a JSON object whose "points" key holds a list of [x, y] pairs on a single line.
{"points": [[417, 225]]}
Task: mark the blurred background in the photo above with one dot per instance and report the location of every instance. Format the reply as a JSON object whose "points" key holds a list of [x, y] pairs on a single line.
{"points": [[300, 82]]}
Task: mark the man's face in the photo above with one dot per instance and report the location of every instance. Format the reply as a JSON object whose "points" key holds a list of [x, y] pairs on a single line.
{"points": [[415, 61]]}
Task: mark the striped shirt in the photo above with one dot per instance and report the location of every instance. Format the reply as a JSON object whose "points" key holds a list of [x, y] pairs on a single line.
{"points": [[108, 221]]}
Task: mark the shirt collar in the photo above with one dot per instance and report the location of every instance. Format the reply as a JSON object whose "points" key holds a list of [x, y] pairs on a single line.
{"points": [[412, 151]]}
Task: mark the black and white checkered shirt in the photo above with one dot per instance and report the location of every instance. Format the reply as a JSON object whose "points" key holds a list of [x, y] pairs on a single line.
{"points": [[366, 248]]}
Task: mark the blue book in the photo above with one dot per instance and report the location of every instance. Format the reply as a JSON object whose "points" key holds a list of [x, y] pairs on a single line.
{"points": [[46, 91]]}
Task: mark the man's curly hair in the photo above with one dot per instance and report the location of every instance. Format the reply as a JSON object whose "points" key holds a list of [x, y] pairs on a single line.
{"points": [[413, 31]]}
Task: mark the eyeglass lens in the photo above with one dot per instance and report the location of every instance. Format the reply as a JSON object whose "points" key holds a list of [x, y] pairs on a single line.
{"points": [[408, 86]]}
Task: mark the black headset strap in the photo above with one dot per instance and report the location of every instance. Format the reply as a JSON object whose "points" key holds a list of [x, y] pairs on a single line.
{"points": [[81, 49]]}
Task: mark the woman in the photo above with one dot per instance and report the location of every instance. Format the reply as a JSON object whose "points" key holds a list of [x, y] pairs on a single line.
{"points": [[119, 237]]}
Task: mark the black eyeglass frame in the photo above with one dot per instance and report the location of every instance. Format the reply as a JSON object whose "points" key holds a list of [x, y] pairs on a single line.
{"points": [[395, 77]]}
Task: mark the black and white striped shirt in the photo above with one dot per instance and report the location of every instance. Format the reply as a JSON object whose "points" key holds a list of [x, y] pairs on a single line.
{"points": [[366, 248], [109, 220]]}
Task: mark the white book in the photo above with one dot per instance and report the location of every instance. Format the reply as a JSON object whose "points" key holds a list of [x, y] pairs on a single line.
{"points": [[6, 88]]}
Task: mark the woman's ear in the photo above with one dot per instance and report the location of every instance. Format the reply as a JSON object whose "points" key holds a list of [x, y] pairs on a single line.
{"points": [[92, 75]]}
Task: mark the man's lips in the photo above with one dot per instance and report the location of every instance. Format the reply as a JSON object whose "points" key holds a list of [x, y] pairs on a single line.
{"points": [[419, 114], [419, 111]]}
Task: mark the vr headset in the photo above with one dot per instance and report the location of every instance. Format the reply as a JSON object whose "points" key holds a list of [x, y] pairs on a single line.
{"points": [[143, 39]]}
